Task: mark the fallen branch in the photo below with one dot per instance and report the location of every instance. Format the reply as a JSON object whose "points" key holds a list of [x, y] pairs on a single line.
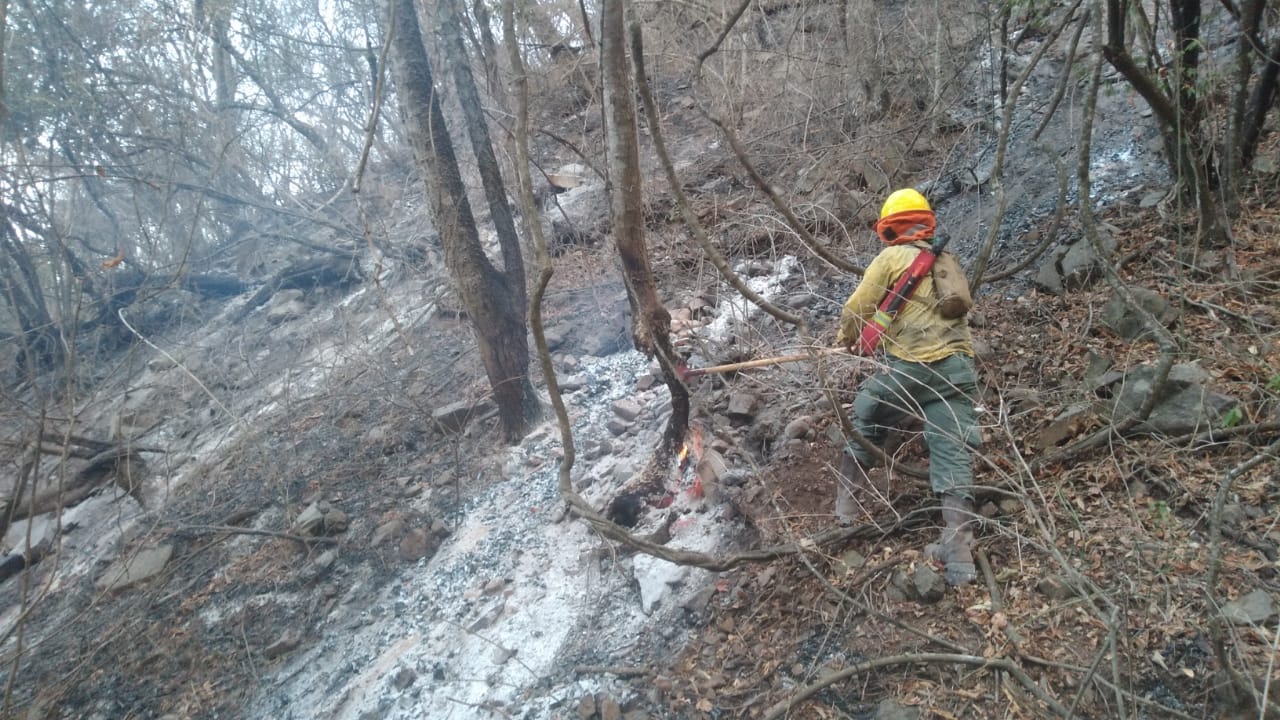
{"points": [[622, 672], [1000, 663], [234, 530]]}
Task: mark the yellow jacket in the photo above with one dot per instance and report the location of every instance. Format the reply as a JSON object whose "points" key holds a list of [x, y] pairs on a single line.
{"points": [[918, 333]]}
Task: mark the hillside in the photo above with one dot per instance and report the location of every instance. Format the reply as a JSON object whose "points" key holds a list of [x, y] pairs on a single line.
{"points": [[292, 500]]}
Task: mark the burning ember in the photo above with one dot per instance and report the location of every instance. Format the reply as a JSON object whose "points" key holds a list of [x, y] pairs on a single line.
{"points": [[692, 448]]}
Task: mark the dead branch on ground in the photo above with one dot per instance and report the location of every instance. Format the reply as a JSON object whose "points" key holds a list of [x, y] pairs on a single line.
{"points": [[997, 663]]}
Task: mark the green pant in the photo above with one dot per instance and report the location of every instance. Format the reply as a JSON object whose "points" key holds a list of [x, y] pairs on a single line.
{"points": [[941, 393]]}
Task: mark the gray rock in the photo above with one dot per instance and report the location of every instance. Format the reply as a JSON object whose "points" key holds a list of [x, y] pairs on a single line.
{"points": [[455, 416], [1151, 199], [389, 529], [1047, 277], [285, 305], [310, 521], [1052, 587], [134, 568], [655, 578], [1253, 608], [848, 562], [890, 709], [800, 300], [742, 406], [711, 467], [1125, 321], [286, 311], [573, 383], [800, 428], [488, 617], [608, 339], [335, 522], [735, 477], [1097, 367], [930, 587], [414, 545], [286, 643], [325, 560], [555, 337], [901, 586], [617, 427], [975, 177], [1080, 265], [1183, 406], [627, 409], [700, 600], [1022, 398], [597, 449], [404, 678]]}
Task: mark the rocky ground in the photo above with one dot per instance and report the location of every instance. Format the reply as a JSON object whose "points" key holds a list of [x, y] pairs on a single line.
{"points": [[324, 524]]}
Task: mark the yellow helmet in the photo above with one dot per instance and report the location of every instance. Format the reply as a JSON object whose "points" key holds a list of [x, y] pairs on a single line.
{"points": [[903, 201]]}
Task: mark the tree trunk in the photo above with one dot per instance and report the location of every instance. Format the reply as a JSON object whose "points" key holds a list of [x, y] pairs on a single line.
{"points": [[1177, 106], [39, 344], [495, 190], [1260, 102], [650, 321], [487, 294], [1233, 148]]}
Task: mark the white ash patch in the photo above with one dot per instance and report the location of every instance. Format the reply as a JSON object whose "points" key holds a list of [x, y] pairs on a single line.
{"points": [[557, 595], [735, 309]]}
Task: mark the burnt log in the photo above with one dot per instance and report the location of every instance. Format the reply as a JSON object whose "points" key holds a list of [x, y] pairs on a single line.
{"points": [[19, 560], [122, 464], [214, 285], [307, 276]]}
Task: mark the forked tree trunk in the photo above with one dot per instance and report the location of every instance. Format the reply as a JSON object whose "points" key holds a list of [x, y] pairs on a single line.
{"points": [[495, 190], [492, 300], [1177, 105]]}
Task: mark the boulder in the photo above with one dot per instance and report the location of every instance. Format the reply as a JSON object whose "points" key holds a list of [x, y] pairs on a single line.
{"points": [[655, 578], [1254, 608], [1184, 405], [1080, 265], [454, 417], [1125, 320], [1074, 266], [135, 568], [285, 305]]}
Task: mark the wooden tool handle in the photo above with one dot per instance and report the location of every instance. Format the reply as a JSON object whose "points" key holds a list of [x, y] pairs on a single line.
{"points": [[762, 362]]}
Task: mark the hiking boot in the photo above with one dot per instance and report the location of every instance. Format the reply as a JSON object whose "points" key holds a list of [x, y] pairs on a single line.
{"points": [[954, 550], [852, 475]]}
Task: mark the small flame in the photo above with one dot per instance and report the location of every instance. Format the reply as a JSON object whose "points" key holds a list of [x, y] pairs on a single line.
{"points": [[690, 453]]}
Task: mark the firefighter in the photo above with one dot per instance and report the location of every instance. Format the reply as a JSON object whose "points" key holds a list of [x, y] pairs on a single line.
{"points": [[929, 374]]}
